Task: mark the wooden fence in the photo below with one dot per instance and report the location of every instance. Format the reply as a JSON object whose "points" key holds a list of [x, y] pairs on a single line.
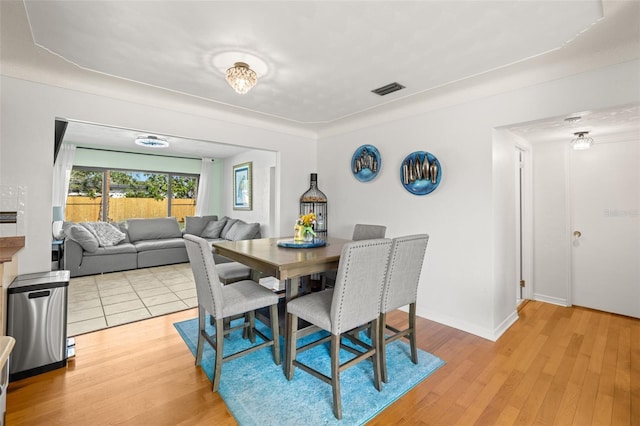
{"points": [[87, 209]]}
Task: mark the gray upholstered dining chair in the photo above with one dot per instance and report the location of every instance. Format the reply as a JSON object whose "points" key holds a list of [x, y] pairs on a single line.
{"points": [[360, 232], [222, 302], [401, 289], [368, 232], [355, 301], [231, 272]]}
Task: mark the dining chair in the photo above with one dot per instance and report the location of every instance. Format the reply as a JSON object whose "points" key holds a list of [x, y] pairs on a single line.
{"points": [[360, 232], [231, 272], [368, 232], [222, 302], [401, 289], [353, 302]]}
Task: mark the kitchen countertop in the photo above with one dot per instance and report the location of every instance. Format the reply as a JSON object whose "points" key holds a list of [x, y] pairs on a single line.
{"points": [[10, 246], [6, 345]]}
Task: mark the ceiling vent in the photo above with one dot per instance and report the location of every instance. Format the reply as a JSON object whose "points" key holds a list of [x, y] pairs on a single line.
{"points": [[389, 88]]}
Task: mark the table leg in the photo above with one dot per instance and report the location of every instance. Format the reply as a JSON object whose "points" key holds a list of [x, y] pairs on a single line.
{"points": [[291, 292]]}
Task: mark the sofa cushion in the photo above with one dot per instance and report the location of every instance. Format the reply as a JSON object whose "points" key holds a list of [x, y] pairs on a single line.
{"points": [[82, 236], [166, 243], [227, 226], [153, 229], [195, 224], [243, 231], [118, 249], [213, 229]]}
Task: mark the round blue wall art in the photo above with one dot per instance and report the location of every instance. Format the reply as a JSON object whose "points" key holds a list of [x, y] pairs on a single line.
{"points": [[366, 163], [420, 173]]}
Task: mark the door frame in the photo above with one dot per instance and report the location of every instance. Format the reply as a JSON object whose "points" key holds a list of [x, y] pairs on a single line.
{"points": [[527, 219]]}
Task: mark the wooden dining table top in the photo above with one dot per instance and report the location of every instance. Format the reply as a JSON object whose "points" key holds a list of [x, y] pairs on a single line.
{"points": [[266, 256]]}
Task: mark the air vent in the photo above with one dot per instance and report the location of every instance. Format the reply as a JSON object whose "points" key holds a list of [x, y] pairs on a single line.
{"points": [[389, 88]]}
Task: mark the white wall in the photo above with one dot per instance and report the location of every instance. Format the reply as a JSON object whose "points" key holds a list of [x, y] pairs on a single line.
{"points": [[459, 279], [466, 255], [262, 162], [551, 204], [504, 231], [27, 114]]}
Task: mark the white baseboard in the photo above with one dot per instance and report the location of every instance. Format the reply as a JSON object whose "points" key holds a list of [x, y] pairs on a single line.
{"points": [[549, 299], [468, 327], [504, 325], [455, 323]]}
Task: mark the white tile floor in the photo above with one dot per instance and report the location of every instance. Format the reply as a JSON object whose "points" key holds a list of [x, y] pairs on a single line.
{"points": [[100, 301]]}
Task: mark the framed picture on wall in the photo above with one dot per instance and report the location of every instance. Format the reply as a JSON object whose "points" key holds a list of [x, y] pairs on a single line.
{"points": [[242, 186]]}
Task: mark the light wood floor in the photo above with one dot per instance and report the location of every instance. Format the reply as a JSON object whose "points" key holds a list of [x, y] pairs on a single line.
{"points": [[554, 366]]}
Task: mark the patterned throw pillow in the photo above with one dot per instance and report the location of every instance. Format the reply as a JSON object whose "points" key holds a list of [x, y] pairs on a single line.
{"points": [[107, 234]]}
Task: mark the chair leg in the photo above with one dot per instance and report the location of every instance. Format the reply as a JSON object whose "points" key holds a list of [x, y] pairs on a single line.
{"points": [[335, 376], [292, 330], [375, 336], [275, 333], [201, 329], [251, 316], [382, 344], [412, 336], [219, 353]]}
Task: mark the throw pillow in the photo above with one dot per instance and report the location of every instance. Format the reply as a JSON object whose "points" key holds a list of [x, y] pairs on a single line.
{"points": [[66, 225], [82, 236], [213, 229], [194, 225], [106, 233], [227, 226], [243, 231], [122, 226]]}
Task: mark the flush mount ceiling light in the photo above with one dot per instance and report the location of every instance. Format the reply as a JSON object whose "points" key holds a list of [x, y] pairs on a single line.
{"points": [[241, 77], [152, 142], [581, 141]]}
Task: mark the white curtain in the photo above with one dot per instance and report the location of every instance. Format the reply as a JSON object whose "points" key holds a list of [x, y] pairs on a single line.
{"points": [[204, 187], [62, 174]]}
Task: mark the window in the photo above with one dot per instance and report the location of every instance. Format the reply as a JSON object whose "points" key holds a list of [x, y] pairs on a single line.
{"points": [[131, 194]]}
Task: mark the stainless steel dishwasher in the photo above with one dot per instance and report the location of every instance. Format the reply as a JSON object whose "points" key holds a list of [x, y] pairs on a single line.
{"points": [[37, 319]]}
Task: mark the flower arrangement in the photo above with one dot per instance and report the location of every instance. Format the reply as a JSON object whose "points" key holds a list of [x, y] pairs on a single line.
{"points": [[304, 227]]}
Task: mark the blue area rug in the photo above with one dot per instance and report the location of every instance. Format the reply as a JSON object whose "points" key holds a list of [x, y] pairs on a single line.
{"points": [[257, 392]]}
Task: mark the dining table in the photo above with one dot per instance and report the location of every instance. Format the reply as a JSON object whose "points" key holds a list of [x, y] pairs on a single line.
{"points": [[290, 264]]}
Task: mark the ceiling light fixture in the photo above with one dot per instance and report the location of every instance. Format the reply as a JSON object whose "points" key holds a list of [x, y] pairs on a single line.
{"points": [[152, 142], [241, 77], [581, 141]]}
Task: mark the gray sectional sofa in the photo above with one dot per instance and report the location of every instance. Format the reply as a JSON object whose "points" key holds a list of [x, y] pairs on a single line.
{"points": [[96, 247]]}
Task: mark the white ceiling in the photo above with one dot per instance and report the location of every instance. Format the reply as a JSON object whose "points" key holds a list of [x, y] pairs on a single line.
{"points": [[117, 139], [317, 60], [320, 59], [606, 125]]}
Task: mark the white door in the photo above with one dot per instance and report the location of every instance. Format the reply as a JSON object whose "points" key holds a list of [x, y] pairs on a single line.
{"points": [[605, 187]]}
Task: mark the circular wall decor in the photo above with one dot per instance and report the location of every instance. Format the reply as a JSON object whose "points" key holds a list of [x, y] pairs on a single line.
{"points": [[420, 173], [366, 163]]}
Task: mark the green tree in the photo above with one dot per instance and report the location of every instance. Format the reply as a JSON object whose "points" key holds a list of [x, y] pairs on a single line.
{"points": [[156, 186], [86, 183], [183, 187]]}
